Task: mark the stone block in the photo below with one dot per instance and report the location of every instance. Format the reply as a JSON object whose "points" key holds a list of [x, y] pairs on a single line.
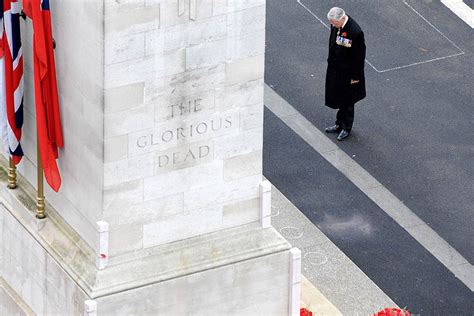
{"points": [[11, 302], [44, 287], [240, 95], [246, 21], [125, 238], [181, 107], [122, 196], [91, 81], [238, 143], [206, 55], [183, 180], [55, 277], [251, 116], [219, 8], [73, 215], [175, 12], [129, 121], [238, 5], [245, 70], [145, 69], [184, 157], [243, 166], [164, 207], [112, 6], [90, 199], [128, 169], [265, 204], [185, 35], [240, 289], [134, 19], [241, 212], [185, 84], [92, 137], [81, 96], [218, 194], [131, 209], [118, 49], [124, 97], [182, 226], [155, 43], [116, 148], [245, 46], [196, 128]]}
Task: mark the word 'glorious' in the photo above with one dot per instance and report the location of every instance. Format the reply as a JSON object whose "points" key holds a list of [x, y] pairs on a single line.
{"points": [[169, 135]]}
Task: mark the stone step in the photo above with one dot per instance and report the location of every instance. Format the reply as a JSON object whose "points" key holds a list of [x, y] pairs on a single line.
{"points": [[11, 303]]}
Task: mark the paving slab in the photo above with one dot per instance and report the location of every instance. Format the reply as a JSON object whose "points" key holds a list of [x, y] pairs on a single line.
{"points": [[325, 266]]}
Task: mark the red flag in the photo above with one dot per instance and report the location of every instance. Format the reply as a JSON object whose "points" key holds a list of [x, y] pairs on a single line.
{"points": [[48, 118]]}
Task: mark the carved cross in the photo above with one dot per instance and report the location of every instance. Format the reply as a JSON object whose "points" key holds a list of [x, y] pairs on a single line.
{"points": [[192, 8]]}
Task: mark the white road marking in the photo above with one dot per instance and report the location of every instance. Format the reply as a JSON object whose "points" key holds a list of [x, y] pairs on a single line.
{"points": [[380, 195], [462, 10], [403, 66]]}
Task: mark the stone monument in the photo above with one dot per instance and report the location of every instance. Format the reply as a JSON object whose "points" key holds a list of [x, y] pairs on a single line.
{"points": [[162, 209]]}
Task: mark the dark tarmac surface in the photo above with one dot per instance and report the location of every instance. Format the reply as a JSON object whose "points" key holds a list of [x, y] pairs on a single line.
{"points": [[414, 133], [395, 261]]}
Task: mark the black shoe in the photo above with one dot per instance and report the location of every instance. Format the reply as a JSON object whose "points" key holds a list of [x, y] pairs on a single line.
{"points": [[333, 129], [343, 134]]}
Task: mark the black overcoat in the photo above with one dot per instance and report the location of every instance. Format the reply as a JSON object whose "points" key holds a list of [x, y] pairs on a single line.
{"points": [[346, 61]]}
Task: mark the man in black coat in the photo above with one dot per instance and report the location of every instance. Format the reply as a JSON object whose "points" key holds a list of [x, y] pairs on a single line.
{"points": [[345, 81]]}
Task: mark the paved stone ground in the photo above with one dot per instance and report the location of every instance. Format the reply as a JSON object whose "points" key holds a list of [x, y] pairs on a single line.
{"points": [[325, 265]]}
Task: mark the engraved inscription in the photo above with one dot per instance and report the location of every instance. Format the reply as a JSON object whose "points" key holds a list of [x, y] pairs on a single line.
{"points": [[178, 157], [200, 128], [182, 108], [184, 156]]}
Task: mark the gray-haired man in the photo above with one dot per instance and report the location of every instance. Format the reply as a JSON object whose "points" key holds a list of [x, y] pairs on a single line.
{"points": [[345, 80]]}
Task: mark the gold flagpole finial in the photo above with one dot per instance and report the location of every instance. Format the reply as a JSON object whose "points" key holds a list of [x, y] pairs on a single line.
{"points": [[11, 175], [40, 204]]}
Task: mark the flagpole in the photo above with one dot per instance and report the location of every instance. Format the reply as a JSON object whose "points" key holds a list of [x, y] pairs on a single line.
{"points": [[11, 174], [40, 205]]}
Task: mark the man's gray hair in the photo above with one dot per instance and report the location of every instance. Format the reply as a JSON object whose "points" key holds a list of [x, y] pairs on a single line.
{"points": [[336, 14]]}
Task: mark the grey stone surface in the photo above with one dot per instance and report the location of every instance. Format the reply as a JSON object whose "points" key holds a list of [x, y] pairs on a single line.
{"points": [[124, 97], [246, 288], [243, 166], [11, 303], [80, 87], [324, 265], [164, 148], [246, 69], [204, 264], [39, 285], [241, 212], [135, 18]]}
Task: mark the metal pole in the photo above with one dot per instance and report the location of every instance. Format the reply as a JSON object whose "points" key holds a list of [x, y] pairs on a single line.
{"points": [[11, 174], [40, 205]]}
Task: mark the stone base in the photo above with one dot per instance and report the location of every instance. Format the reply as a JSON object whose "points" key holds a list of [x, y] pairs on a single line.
{"points": [[244, 270], [11, 303]]}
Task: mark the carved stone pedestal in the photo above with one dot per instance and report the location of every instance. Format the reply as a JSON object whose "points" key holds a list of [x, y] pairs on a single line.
{"points": [[162, 208]]}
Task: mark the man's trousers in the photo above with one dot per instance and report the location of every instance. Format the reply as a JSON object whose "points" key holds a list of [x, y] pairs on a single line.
{"points": [[345, 117]]}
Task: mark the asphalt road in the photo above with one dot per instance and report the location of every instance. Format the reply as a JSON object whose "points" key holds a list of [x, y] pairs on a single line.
{"points": [[414, 133]]}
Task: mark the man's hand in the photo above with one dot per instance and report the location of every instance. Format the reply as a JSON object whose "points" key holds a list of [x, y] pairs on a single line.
{"points": [[354, 81]]}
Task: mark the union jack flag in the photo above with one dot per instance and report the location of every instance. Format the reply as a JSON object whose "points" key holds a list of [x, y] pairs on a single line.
{"points": [[11, 73]]}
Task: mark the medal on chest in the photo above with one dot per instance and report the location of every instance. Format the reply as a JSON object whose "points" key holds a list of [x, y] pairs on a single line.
{"points": [[342, 39]]}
